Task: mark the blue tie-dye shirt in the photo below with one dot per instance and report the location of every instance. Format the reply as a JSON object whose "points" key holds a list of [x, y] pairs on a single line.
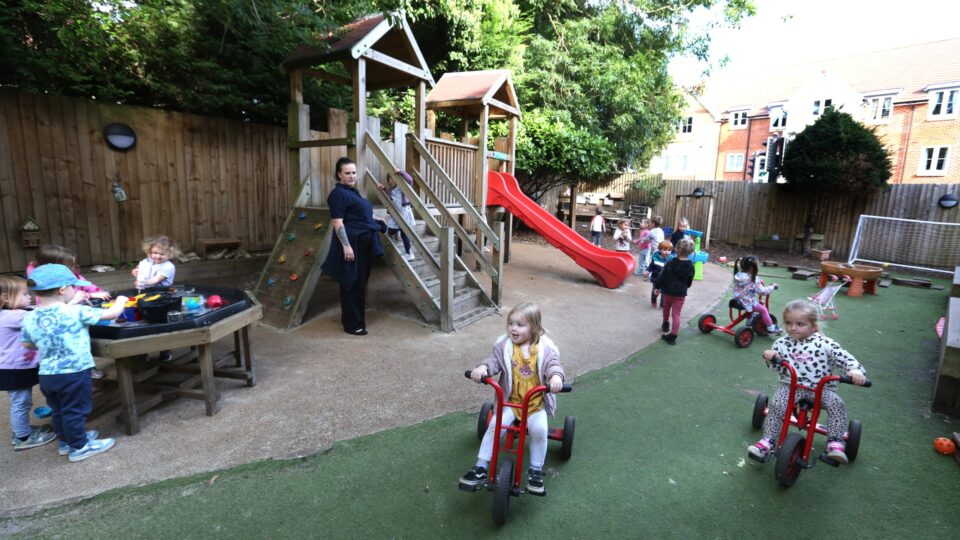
{"points": [[60, 335]]}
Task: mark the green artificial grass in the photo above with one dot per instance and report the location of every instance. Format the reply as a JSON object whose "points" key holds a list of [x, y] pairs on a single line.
{"points": [[659, 452]]}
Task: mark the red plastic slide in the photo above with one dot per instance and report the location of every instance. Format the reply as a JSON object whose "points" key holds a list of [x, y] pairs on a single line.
{"points": [[608, 267]]}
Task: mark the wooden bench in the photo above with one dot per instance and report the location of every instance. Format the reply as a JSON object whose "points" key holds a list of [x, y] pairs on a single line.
{"points": [[211, 244]]}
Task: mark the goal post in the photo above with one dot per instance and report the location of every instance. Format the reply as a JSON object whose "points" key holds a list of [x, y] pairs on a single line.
{"points": [[908, 243]]}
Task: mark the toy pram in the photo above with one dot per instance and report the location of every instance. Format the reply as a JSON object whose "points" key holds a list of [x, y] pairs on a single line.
{"points": [[824, 300]]}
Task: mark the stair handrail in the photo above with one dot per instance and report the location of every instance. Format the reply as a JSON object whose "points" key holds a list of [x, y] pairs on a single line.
{"points": [[465, 203], [434, 226]]}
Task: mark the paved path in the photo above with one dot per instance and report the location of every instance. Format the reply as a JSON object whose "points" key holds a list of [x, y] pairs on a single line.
{"points": [[317, 385]]}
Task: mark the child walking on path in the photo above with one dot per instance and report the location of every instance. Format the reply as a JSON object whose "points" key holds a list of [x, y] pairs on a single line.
{"points": [[19, 365], [747, 289], [657, 263], [643, 240], [59, 332], [406, 212], [524, 358], [156, 269], [597, 225], [622, 236], [673, 282], [680, 232], [814, 356], [656, 233]]}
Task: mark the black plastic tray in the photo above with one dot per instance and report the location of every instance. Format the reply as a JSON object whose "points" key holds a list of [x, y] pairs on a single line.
{"points": [[235, 301]]}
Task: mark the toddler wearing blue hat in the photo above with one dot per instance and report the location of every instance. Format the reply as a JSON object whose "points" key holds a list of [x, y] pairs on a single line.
{"points": [[57, 329]]}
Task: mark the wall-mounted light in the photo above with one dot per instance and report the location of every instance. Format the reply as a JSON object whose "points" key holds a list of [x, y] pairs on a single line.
{"points": [[948, 201], [698, 192], [119, 136], [119, 193]]}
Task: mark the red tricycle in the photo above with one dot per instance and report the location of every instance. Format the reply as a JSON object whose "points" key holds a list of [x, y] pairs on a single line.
{"points": [[793, 449], [743, 337], [505, 476]]}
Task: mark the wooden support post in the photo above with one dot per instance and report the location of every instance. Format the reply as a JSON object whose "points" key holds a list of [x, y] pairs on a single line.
{"points": [[298, 129], [128, 401], [446, 279], [573, 206], [420, 124], [210, 397], [496, 287], [358, 152], [706, 233], [512, 141], [248, 356]]}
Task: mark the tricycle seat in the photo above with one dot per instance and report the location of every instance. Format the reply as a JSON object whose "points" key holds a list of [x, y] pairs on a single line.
{"points": [[735, 304]]}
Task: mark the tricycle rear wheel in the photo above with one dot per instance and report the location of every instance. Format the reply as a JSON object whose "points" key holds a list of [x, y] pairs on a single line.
{"points": [[853, 440], [501, 491], [790, 460], [566, 444], [484, 419], [744, 338], [759, 328], [759, 410], [704, 323]]}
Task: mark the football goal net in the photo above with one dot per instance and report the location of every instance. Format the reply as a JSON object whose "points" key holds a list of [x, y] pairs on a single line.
{"points": [[908, 243]]}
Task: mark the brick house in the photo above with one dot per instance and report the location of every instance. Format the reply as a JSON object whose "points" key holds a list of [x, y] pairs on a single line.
{"points": [[911, 95]]}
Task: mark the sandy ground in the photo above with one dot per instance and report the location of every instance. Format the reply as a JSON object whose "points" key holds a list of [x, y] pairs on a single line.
{"points": [[317, 385]]}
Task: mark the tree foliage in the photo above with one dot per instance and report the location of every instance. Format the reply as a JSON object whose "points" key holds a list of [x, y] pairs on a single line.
{"points": [[835, 157]]}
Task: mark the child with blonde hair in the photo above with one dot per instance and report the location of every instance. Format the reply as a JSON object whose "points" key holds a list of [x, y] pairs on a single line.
{"points": [[813, 356], [54, 254], [156, 269], [524, 358], [19, 365]]}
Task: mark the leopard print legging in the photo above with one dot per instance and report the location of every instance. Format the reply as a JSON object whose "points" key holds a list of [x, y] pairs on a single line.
{"points": [[832, 404]]}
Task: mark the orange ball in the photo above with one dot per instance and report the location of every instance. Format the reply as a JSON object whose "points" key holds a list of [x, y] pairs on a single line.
{"points": [[944, 445]]}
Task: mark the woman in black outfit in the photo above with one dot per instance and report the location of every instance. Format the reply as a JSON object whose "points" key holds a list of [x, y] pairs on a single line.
{"points": [[356, 241]]}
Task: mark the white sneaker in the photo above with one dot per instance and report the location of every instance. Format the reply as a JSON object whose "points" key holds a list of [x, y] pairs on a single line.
{"points": [[92, 448], [409, 256]]}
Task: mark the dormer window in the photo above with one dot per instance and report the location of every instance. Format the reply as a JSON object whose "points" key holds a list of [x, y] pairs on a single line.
{"points": [[943, 103], [821, 105], [879, 109], [738, 120], [778, 118]]}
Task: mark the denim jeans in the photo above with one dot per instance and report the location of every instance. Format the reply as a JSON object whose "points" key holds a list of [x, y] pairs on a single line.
{"points": [[20, 403]]}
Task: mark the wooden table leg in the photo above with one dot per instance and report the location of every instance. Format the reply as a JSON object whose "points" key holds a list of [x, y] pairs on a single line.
{"points": [[248, 356], [128, 401], [237, 352], [211, 398]]}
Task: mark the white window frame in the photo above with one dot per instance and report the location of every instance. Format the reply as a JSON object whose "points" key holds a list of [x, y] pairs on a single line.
{"points": [[734, 163], [738, 119], [686, 125], [934, 161], [818, 110], [875, 109], [778, 118], [946, 98]]}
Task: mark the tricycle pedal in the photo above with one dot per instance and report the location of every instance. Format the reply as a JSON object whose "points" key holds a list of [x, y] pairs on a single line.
{"points": [[828, 460], [765, 459], [471, 489]]}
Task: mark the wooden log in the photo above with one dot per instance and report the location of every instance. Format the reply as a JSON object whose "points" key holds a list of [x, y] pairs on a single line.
{"points": [[912, 282], [770, 263], [803, 275]]}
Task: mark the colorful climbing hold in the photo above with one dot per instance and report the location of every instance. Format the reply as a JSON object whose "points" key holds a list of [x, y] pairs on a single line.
{"points": [[302, 215], [318, 226], [287, 302], [282, 259], [307, 252], [293, 277], [291, 237], [271, 282]]}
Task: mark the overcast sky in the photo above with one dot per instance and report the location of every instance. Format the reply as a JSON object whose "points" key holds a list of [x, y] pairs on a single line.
{"points": [[804, 30]]}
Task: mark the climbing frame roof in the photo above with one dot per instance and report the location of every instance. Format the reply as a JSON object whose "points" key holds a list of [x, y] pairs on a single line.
{"points": [[386, 41], [466, 93]]}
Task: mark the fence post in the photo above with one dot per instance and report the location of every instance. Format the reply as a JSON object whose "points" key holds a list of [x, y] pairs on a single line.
{"points": [[496, 289]]}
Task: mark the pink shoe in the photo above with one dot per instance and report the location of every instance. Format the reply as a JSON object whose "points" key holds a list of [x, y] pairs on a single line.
{"points": [[760, 449], [835, 451]]}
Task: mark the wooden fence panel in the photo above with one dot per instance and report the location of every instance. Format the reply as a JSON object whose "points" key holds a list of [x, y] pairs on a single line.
{"points": [[744, 211]]}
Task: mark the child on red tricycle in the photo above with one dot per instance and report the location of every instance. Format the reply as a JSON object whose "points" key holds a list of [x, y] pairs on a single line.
{"points": [[525, 359], [805, 359]]}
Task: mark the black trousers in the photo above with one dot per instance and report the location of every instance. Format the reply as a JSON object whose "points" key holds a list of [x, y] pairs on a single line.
{"points": [[70, 396], [353, 301]]}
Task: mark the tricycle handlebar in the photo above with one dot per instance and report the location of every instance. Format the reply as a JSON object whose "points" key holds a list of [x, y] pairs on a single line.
{"points": [[847, 380], [564, 389]]}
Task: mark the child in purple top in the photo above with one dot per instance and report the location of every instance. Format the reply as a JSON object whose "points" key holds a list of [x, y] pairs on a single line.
{"points": [[19, 366]]}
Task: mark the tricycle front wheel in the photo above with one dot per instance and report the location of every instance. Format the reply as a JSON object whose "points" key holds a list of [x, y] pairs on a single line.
{"points": [[790, 460], [501, 491], [744, 338], [759, 410], [853, 440], [566, 445], [484, 418], [706, 323]]}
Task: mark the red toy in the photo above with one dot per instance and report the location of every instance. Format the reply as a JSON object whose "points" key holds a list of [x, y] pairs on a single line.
{"points": [[944, 445], [743, 337], [793, 449], [214, 301], [507, 475]]}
